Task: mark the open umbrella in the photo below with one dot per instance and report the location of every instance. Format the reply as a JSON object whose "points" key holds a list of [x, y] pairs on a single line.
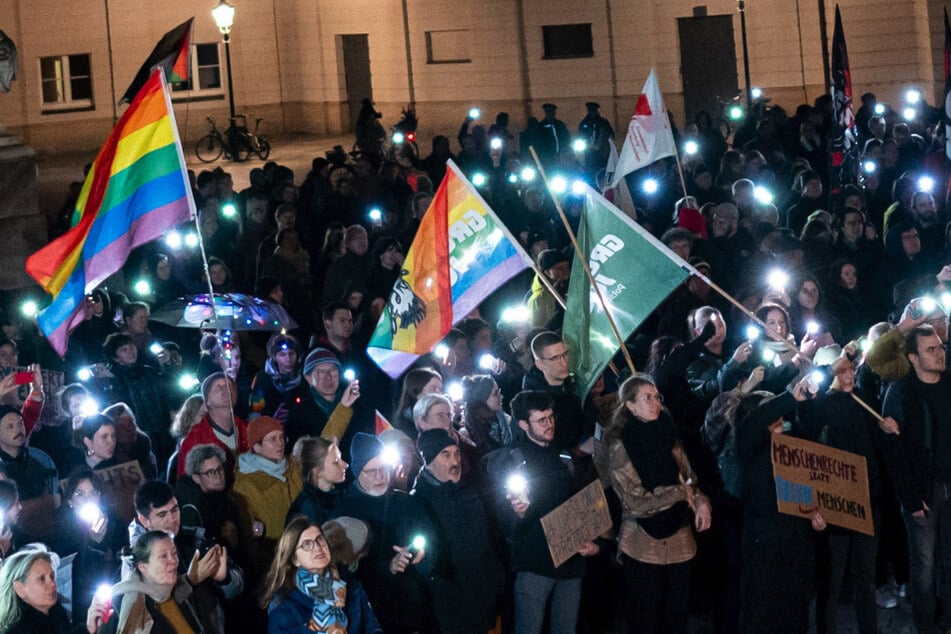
{"points": [[235, 311]]}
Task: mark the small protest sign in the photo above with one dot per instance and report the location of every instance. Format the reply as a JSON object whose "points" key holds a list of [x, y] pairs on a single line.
{"points": [[813, 477], [576, 522], [119, 484]]}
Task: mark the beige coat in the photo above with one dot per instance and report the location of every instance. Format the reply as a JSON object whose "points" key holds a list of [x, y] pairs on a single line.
{"points": [[637, 502]]}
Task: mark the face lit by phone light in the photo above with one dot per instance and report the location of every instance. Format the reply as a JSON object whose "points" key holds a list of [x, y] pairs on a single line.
{"points": [[844, 380], [374, 479]]}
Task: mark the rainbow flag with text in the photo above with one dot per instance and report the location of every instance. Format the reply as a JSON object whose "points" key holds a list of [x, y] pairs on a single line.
{"points": [[460, 255], [136, 190]]}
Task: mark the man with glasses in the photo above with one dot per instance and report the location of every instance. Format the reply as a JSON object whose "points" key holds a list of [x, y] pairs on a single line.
{"points": [[205, 499], [919, 459], [323, 407], [544, 483], [397, 564], [551, 374]]}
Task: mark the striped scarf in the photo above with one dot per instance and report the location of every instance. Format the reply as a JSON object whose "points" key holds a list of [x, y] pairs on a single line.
{"points": [[329, 594]]}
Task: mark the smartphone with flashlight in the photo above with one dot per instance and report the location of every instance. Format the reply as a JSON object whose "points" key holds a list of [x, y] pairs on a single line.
{"points": [[22, 378]]}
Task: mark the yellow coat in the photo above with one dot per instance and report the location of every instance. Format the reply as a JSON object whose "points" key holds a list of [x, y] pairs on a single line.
{"points": [[267, 499]]}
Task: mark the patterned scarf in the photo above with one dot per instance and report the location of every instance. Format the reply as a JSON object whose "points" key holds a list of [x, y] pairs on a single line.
{"points": [[329, 594]]}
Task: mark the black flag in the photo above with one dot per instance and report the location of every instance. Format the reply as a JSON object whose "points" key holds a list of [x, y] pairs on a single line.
{"points": [[843, 147], [172, 53]]}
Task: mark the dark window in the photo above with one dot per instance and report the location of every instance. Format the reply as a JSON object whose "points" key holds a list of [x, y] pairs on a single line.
{"points": [[565, 41]]}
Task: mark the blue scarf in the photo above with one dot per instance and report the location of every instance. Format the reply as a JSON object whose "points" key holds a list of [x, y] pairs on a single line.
{"points": [[329, 595]]}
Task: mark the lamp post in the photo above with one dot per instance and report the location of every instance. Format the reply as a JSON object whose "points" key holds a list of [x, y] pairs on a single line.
{"points": [[223, 15], [741, 6]]}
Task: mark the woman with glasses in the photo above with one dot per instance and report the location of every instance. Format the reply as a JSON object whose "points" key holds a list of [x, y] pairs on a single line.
{"points": [[89, 528], [661, 508], [305, 592], [204, 497]]}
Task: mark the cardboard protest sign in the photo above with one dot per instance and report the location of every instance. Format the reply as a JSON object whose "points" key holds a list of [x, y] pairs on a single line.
{"points": [[579, 520], [118, 487], [812, 477]]}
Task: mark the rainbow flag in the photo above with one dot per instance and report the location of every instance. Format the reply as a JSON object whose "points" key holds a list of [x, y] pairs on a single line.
{"points": [[461, 254], [136, 190]]}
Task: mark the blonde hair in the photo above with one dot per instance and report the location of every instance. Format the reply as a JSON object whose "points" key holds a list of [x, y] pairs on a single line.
{"points": [[188, 415]]}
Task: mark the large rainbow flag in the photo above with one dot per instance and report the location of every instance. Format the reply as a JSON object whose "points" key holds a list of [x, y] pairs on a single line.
{"points": [[460, 255], [136, 190]]}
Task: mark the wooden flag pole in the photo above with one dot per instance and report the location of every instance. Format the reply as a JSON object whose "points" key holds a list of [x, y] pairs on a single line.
{"points": [[584, 263], [680, 169], [752, 315]]}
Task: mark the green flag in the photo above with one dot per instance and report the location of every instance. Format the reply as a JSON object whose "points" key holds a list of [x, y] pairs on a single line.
{"points": [[634, 271]]}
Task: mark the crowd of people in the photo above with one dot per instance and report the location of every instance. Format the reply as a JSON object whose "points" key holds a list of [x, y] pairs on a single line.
{"points": [[286, 484]]}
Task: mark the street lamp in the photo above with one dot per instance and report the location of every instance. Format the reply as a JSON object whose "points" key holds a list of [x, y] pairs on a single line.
{"points": [[741, 6], [224, 19]]}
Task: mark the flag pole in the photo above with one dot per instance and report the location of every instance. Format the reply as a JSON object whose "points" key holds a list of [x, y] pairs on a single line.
{"points": [[584, 262], [680, 169], [752, 316]]}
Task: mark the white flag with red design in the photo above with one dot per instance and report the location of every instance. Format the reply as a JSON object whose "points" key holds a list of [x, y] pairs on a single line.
{"points": [[648, 135]]}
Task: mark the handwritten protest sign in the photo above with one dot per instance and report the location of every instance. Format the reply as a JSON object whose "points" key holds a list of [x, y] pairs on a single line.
{"points": [[580, 519], [118, 487], [812, 477]]}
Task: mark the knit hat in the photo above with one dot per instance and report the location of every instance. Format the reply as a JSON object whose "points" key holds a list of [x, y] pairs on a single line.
{"points": [[209, 380], [261, 427], [319, 356], [363, 449], [432, 441], [348, 537]]}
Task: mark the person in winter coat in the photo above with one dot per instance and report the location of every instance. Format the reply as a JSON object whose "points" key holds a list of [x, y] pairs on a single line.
{"points": [[154, 599], [29, 603], [323, 406], [393, 572], [305, 592], [274, 387], [661, 507], [467, 577], [266, 484], [322, 470]]}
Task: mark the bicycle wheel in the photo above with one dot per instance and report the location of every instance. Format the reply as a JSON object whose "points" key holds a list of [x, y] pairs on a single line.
{"points": [[264, 148], [209, 148]]}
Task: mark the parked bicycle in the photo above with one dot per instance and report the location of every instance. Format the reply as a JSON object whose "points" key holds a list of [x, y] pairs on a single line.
{"points": [[237, 142]]}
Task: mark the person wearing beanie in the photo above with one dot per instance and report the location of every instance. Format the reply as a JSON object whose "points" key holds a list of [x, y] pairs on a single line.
{"points": [[393, 575], [468, 575], [322, 406], [809, 185], [273, 388], [266, 483], [555, 266], [219, 426]]}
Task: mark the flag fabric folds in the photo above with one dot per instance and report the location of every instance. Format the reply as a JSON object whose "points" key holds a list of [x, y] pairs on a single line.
{"points": [[172, 54], [947, 88], [843, 146], [649, 137], [136, 190], [461, 254], [635, 273]]}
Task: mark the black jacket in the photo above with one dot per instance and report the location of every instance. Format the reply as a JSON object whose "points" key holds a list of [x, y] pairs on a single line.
{"points": [[401, 601], [908, 456], [32, 621], [570, 421], [317, 505], [467, 576], [549, 485]]}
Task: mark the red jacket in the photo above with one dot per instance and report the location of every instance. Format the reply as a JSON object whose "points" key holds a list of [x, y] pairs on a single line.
{"points": [[203, 434]]}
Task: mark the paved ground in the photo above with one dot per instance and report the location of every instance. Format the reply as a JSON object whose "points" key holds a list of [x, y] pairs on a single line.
{"points": [[295, 151]]}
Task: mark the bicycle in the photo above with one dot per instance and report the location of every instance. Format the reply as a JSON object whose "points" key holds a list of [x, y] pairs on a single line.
{"points": [[237, 143]]}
